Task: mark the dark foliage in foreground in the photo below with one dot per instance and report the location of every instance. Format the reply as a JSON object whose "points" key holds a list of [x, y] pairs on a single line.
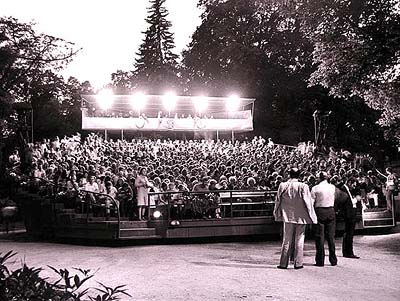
{"points": [[25, 283]]}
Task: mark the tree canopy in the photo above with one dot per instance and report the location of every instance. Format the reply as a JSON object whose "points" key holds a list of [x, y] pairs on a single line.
{"points": [[29, 63], [269, 50], [156, 66], [255, 48], [357, 52]]}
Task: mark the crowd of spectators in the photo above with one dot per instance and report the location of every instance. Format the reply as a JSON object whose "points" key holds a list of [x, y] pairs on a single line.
{"points": [[127, 170]]}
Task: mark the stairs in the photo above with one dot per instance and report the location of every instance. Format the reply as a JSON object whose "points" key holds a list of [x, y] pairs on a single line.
{"points": [[378, 218], [129, 230], [136, 230]]}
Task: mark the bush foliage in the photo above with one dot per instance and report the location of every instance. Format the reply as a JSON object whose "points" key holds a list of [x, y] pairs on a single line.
{"points": [[25, 283]]}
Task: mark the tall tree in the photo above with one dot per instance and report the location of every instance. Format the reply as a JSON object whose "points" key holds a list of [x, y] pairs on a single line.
{"points": [[254, 48], [121, 81], [357, 52], [26, 57], [259, 49], [156, 67], [29, 62]]}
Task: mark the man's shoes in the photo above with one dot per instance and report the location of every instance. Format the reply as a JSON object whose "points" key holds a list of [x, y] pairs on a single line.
{"points": [[299, 267], [318, 265], [334, 264], [352, 256], [282, 268]]}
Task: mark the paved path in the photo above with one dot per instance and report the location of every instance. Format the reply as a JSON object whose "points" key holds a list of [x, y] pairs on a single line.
{"points": [[229, 271]]}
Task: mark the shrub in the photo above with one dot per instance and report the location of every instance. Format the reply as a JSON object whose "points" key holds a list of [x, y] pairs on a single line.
{"points": [[25, 283]]}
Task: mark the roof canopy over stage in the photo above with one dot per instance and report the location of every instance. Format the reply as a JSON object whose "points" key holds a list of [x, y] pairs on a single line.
{"points": [[166, 113]]}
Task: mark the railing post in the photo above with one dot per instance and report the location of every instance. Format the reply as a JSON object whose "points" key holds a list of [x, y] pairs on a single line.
{"points": [[87, 208], [148, 207], [118, 217], [169, 210], [231, 203], [393, 209]]}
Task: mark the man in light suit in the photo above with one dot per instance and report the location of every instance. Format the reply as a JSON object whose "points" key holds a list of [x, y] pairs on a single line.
{"points": [[293, 206]]}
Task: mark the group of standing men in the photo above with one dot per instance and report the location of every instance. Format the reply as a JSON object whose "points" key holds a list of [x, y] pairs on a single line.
{"points": [[296, 206]]}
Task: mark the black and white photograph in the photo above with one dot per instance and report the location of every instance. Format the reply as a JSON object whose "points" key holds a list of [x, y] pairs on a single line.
{"points": [[199, 150]]}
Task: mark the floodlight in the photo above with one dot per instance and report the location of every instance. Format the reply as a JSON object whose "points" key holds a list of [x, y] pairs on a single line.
{"points": [[200, 103], [105, 99], [169, 101], [232, 103], [157, 214], [138, 101]]}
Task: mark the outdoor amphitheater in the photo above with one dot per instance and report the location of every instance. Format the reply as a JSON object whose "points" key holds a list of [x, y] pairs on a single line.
{"points": [[230, 150]]}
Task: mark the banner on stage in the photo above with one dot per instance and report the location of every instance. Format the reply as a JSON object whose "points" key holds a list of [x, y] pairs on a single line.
{"points": [[239, 121]]}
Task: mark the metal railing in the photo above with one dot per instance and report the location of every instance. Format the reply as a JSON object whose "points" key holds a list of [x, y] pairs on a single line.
{"points": [[181, 205], [82, 201]]}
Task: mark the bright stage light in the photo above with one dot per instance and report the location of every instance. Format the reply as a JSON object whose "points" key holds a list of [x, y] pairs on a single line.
{"points": [[233, 103], [200, 103], [138, 101], [169, 101], [157, 214], [105, 99]]}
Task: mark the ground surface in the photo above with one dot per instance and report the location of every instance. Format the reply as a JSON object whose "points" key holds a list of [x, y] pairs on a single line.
{"points": [[227, 271]]}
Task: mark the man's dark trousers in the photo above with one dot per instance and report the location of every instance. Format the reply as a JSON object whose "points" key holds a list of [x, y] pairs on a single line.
{"points": [[347, 247], [326, 224]]}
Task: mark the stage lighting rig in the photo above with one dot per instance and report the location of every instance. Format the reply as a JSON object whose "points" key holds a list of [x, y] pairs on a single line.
{"points": [[233, 103], [169, 101], [138, 101], [105, 99], [200, 103]]}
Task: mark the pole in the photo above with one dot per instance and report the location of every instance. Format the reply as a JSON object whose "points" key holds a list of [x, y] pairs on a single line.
{"points": [[315, 127], [105, 134], [217, 135], [233, 137], [32, 125], [122, 134]]}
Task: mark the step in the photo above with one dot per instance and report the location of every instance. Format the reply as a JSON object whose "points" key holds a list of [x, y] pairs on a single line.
{"points": [[377, 214], [133, 224], [58, 206], [378, 222], [141, 232], [140, 237], [67, 211]]}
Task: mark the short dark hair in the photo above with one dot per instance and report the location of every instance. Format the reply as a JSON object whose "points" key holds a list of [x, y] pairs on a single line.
{"points": [[294, 173], [323, 175]]}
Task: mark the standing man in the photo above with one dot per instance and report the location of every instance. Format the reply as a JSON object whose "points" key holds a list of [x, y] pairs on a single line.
{"points": [[347, 206], [293, 206], [324, 201], [391, 183]]}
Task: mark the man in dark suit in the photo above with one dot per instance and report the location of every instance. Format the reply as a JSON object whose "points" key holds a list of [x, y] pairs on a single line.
{"points": [[345, 204]]}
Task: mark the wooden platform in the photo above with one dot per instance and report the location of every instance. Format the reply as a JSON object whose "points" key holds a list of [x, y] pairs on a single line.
{"points": [[51, 220]]}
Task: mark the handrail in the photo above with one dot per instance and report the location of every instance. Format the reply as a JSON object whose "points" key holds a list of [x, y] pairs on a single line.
{"points": [[86, 191], [212, 191], [223, 194]]}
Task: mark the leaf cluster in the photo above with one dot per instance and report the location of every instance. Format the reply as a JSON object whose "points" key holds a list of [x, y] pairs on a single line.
{"points": [[25, 283], [29, 63], [356, 51], [298, 56]]}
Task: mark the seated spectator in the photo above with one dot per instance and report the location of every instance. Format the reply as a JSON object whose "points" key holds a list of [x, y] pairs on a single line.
{"points": [[124, 197], [203, 185]]}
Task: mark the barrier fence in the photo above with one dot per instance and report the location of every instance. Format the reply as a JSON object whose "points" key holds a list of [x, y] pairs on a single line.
{"points": [[181, 205]]}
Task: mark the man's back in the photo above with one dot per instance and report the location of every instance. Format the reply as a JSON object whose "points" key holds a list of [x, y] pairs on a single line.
{"points": [[294, 204], [323, 194]]}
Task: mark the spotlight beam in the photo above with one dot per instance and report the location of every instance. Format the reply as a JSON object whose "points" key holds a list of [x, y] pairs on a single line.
{"points": [[233, 103], [105, 99]]}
